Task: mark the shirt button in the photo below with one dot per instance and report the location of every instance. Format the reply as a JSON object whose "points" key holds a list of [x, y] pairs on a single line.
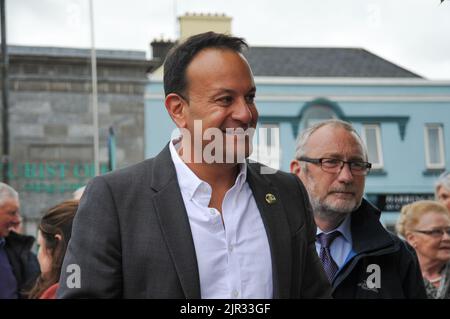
{"points": [[235, 293], [230, 248]]}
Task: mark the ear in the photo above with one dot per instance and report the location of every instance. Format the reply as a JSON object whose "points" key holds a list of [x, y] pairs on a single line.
{"points": [[295, 167], [58, 237], [411, 239], [174, 106]]}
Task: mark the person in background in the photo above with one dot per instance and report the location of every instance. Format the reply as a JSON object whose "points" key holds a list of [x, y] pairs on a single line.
{"points": [[18, 226], [426, 226], [18, 265], [54, 235], [442, 189], [361, 258]]}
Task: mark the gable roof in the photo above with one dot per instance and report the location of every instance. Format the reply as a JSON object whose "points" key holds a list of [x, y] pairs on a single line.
{"points": [[322, 62]]}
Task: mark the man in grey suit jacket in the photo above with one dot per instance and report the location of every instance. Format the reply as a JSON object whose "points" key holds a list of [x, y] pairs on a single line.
{"points": [[183, 226]]}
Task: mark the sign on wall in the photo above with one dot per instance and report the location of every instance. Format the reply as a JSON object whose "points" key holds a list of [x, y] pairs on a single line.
{"points": [[51, 177]]}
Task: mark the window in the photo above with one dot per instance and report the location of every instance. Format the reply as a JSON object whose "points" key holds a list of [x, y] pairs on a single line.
{"points": [[315, 114], [266, 145], [372, 138], [434, 146]]}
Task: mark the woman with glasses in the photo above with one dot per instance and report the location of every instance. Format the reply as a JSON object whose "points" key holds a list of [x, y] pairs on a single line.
{"points": [[426, 226], [442, 189]]}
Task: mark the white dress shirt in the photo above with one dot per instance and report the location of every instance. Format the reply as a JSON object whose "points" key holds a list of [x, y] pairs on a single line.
{"points": [[233, 255], [340, 247]]}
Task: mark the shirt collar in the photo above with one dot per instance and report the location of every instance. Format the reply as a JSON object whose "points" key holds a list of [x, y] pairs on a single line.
{"points": [[343, 228], [193, 186]]}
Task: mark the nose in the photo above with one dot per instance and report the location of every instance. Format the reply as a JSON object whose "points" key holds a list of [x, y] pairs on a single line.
{"points": [[446, 236], [16, 219], [242, 112], [345, 175]]}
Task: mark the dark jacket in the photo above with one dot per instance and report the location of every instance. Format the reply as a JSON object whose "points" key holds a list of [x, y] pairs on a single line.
{"points": [[372, 244], [131, 236], [23, 261]]}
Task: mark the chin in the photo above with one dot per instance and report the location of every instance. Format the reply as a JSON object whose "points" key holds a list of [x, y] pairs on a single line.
{"points": [[343, 207], [444, 256], [4, 233]]}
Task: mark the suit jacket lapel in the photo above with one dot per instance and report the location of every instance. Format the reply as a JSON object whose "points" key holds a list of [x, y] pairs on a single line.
{"points": [[277, 230], [174, 223]]}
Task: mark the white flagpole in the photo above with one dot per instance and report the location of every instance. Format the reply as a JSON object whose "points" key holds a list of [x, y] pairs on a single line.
{"points": [[94, 92]]}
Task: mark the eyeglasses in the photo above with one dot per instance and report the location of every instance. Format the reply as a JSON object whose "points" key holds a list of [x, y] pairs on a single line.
{"points": [[334, 165], [436, 233]]}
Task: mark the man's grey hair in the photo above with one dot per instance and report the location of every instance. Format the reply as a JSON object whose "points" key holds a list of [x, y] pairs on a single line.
{"points": [[304, 136], [7, 192], [442, 181]]}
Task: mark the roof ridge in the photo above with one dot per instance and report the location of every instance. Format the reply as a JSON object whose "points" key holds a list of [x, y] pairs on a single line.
{"points": [[75, 52]]}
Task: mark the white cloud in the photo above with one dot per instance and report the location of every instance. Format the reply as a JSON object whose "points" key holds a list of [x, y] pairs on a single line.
{"points": [[412, 33]]}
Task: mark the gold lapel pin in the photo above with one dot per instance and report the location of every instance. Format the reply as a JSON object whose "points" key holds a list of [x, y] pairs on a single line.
{"points": [[270, 198]]}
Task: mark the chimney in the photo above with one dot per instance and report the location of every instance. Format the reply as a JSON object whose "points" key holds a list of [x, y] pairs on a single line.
{"points": [[160, 48], [192, 24]]}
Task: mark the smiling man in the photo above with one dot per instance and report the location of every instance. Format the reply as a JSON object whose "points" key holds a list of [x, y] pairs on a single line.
{"points": [[198, 221], [360, 257]]}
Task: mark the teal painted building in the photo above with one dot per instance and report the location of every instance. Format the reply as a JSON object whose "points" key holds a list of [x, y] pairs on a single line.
{"points": [[403, 118]]}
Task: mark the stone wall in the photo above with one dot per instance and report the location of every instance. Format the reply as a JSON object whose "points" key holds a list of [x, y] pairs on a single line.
{"points": [[51, 130]]}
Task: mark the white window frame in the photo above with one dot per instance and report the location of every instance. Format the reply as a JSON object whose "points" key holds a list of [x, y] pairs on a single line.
{"points": [[377, 127], [440, 128]]}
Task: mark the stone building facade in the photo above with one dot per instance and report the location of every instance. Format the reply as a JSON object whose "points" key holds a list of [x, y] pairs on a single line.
{"points": [[51, 121]]}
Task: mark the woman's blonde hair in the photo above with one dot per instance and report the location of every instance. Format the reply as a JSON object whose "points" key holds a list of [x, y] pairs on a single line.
{"points": [[412, 213]]}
